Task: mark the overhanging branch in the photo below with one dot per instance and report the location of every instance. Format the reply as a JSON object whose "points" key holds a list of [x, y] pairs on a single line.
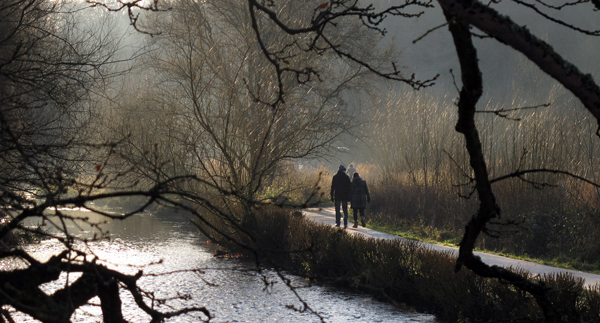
{"points": [[520, 173], [539, 52]]}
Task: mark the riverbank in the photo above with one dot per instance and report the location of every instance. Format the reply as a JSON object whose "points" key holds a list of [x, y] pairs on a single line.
{"points": [[409, 275]]}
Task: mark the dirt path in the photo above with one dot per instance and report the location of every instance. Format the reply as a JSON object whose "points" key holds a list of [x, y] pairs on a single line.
{"points": [[327, 216]]}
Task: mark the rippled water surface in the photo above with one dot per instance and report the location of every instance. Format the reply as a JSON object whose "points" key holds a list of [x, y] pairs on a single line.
{"points": [[229, 288]]}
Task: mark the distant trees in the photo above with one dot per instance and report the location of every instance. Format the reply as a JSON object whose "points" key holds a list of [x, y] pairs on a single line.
{"points": [[460, 16]]}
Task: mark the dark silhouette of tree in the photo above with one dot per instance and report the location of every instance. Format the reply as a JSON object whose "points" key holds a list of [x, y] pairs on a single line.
{"points": [[50, 70], [316, 34]]}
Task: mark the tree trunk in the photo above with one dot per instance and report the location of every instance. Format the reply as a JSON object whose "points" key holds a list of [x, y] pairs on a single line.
{"points": [[488, 209], [108, 292]]}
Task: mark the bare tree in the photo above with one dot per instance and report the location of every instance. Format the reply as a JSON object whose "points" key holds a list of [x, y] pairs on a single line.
{"points": [[210, 101], [51, 69]]}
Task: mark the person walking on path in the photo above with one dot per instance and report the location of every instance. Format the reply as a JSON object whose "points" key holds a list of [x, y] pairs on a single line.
{"points": [[351, 171], [359, 197], [340, 192]]}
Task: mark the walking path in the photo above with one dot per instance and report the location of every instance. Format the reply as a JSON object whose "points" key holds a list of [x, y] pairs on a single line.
{"points": [[327, 216]]}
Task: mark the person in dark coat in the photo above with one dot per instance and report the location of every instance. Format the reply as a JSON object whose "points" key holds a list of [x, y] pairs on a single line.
{"points": [[340, 193], [359, 197]]}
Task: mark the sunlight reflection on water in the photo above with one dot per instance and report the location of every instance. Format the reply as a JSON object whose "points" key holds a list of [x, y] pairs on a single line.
{"points": [[141, 242]]}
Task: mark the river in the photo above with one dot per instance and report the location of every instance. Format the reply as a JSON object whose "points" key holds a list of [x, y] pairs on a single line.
{"points": [[229, 288]]}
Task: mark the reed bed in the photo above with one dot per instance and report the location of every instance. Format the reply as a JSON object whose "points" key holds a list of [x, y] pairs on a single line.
{"points": [[423, 174]]}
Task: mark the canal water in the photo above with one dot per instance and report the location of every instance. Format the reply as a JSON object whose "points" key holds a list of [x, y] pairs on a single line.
{"points": [[167, 247]]}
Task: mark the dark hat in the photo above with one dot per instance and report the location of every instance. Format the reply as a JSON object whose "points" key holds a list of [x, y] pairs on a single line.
{"points": [[342, 167], [355, 174]]}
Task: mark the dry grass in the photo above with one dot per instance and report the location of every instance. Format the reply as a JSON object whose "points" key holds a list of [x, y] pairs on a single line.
{"points": [[552, 225]]}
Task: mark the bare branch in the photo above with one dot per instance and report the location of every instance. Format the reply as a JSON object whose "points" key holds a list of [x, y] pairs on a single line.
{"points": [[503, 113], [567, 4], [131, 6], [558, 21], [429, 32], [520, 173]]}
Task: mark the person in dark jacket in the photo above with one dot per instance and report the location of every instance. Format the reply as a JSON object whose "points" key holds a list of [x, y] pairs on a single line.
{"points": [[340, 193], [359, 197]]}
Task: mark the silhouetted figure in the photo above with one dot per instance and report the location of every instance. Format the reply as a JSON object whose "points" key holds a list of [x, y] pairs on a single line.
{"points": [[340, 193], [359, 197]]}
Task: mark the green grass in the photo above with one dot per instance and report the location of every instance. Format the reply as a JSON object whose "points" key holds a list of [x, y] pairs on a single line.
{"points": [[423, 234]]}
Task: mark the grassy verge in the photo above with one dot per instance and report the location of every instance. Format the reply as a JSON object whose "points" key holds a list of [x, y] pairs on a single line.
{"points": [[407, 275], [424, 234]]}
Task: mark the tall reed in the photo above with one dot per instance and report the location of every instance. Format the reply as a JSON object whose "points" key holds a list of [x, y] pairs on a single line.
{"points": [[425, 176]]}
